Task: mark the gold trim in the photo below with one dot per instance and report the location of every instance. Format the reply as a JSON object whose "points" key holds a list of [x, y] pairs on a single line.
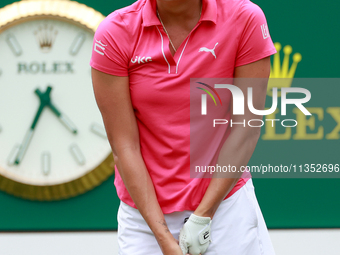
{"points": [[69, 10], [60, 191], [88, 18]]}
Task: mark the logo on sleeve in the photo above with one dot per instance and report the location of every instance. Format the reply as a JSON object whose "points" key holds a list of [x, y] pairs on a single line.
{"points": [[140, 59], [212, 51], [265, 31], [98, 46]]}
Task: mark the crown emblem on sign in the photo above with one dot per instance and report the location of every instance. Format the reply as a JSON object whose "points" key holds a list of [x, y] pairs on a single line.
{"points": [[283, 71], [45, 36]]}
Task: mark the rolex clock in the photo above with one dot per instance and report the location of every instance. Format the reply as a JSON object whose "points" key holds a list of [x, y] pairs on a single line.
{"points": [[53, 143]]}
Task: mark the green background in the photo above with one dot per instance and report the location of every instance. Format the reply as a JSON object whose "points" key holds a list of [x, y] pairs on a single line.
{"points": [[312, 29]]}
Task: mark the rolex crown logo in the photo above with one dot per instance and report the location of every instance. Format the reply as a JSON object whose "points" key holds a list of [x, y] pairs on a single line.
{"points": [[45, 37], [283, 72]]}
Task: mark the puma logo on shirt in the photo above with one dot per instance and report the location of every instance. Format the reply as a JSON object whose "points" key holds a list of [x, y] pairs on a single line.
{"points": [[212, 51]]}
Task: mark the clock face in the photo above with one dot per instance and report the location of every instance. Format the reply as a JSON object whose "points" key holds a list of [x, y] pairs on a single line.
{"points": [[51, 130]]}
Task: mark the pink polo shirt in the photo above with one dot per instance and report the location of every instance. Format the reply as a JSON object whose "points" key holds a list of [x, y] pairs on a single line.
{"points": [[131, 42]]}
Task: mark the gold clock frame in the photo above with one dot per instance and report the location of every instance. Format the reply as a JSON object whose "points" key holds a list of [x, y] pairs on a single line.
{"points": [[89, 19]]}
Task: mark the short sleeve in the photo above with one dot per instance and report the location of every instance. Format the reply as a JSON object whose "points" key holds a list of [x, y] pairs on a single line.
{"points": [[255, 42], [110, 46]]}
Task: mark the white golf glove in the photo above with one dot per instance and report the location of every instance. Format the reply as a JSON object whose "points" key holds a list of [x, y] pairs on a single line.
{"points": [[194, 237]]}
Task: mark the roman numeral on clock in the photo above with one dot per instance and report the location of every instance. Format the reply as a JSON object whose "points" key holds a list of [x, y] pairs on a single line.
{"points": [[77, 154], [14, 45], [46, 162], [98, 130], [77, 43]]}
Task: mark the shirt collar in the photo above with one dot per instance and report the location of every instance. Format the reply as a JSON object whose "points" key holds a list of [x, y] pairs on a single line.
{"points": [[209, 12]]}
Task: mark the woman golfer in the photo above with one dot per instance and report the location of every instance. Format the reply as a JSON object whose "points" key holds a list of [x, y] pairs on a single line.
{"points": [[143, 58]]}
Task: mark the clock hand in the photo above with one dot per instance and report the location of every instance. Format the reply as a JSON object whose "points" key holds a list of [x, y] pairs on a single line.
{"points": [[62, 117], [45, 100], [29, 134]]}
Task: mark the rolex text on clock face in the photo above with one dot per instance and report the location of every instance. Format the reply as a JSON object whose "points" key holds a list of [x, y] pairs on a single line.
{"points": [[51, 130]]}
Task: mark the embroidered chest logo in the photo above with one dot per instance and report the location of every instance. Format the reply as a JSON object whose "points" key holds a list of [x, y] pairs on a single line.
{"points": [[99, 46], [140, 59], [212, 51]]}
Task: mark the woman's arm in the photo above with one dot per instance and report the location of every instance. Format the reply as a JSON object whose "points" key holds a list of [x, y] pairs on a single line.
{"points": [[241, 142], [113, 98]]}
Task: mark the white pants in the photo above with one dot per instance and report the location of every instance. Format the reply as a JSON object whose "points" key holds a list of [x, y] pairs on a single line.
{"points": [[238, 228]]}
